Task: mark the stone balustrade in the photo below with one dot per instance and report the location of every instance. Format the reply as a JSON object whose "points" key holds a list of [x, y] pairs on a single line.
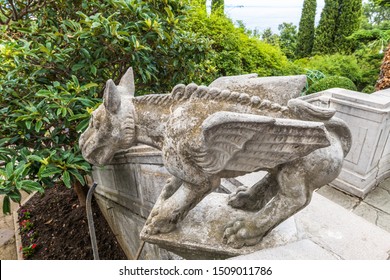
{"points": [[368, 117]]}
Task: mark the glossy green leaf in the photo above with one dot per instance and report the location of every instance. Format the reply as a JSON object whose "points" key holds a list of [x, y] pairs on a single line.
{"points": [[6, 205], [66, 179]]}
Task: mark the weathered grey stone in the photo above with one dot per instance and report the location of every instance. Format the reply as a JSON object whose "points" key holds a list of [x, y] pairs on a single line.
{"points": [[126, 227], [6, 236], [347, 201], [206, 134], [301, 250], [200, 235], [368, 117], [313, 225], [134, 183], [337, 230], [379, 198], [328, 231], [275, 89], [373, 215]]}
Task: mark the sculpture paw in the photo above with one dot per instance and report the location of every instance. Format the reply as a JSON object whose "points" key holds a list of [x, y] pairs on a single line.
{"points": [[159, 223], [238, 199], [159, 226], [170, 187], [242, 233], [244, 199]]}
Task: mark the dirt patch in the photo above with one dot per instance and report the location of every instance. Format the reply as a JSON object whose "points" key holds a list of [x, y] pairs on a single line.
{"points": [[57, 229]]}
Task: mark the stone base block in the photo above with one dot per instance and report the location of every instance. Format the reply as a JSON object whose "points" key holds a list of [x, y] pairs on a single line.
{"points": [[323, 230]]}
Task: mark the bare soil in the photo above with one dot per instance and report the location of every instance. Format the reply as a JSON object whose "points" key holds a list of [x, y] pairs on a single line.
{"points": [[60, 228]]}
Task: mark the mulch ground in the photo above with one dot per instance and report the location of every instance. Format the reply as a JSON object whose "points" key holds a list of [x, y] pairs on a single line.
{"points": [[57, 229]]}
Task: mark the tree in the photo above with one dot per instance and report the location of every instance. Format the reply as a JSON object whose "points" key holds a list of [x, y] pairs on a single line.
{"points": [[339, 19], [382, 3], [305, 38], [384, 75], [324, 34], [269, 37], [288, 39], [55, 60], [374, 13], [218, 6], [234, 50], [348, 22]]}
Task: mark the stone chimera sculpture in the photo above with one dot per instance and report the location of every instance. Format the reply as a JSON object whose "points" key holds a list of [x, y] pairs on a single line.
{"points": [[206, 134]]}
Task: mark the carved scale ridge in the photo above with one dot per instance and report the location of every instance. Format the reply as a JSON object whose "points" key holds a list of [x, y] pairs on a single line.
{"points": [[182, 93]]}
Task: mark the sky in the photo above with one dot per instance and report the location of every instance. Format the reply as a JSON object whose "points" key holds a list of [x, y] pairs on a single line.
{"points": [[262, 14]]}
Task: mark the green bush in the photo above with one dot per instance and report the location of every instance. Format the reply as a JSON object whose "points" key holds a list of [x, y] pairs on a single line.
{"points": [[368, 89], [54, 64], [234, 51], [333, 65], [331, 82]]}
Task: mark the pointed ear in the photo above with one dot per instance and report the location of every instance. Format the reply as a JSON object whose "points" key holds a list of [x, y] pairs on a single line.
{"points": [[111, 98], [127, 81]]}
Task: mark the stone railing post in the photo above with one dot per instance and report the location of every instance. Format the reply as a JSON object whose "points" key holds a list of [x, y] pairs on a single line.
{"points": [[368, 117]]}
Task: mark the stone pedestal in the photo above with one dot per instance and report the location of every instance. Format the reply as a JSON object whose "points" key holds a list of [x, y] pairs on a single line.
{"points": [[368, 117], [322, 231], [200, 234]]}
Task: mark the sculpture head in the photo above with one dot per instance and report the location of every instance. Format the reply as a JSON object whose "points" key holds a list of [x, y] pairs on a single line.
{"points": [[111, 128]]}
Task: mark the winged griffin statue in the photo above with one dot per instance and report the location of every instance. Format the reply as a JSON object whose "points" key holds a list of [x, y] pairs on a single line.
{"points": [[206, 134]]}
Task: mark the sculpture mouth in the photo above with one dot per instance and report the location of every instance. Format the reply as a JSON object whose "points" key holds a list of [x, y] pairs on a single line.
{"points": [[98, 156], [94, 153]]}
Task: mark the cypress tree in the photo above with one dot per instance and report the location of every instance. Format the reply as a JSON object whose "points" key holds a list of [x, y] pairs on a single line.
{"points": [[348, 22], [218, 6], [324, 35], [339, 19], [306, 29]]}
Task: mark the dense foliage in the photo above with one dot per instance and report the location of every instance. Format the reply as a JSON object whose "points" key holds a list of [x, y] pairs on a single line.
{"points": [[333, 65], [339, 19], [55, 61], [324, 36], [288, 39], [348, 22], [217, 6], [331, 82], [306, 29], [235, 52]]}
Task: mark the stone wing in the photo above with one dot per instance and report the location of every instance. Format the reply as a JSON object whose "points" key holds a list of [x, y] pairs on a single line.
{"points": [[243, 142]]}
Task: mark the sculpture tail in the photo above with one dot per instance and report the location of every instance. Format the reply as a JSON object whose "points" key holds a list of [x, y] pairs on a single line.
{"points": [[309, 112]]}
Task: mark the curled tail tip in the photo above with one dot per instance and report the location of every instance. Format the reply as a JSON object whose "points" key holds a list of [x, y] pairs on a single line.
{"points": [[306, 111]]}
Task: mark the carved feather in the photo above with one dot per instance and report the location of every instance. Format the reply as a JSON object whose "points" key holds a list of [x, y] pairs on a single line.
{"points": [[243, 142]]}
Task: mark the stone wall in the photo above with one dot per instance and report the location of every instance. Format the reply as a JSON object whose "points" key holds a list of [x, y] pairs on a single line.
{"points": [[368, 117], [126, 192]]}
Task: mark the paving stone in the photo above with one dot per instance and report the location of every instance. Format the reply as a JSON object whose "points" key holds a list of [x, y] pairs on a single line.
{"points": [[379, 198], [373, 215], [6, 236], [342, 199], [300, 250], [345, 234], [385, 184], [8, 252]]}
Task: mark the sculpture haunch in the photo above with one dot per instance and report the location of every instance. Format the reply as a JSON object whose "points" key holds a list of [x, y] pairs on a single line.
{"points": [[206, 134]]}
